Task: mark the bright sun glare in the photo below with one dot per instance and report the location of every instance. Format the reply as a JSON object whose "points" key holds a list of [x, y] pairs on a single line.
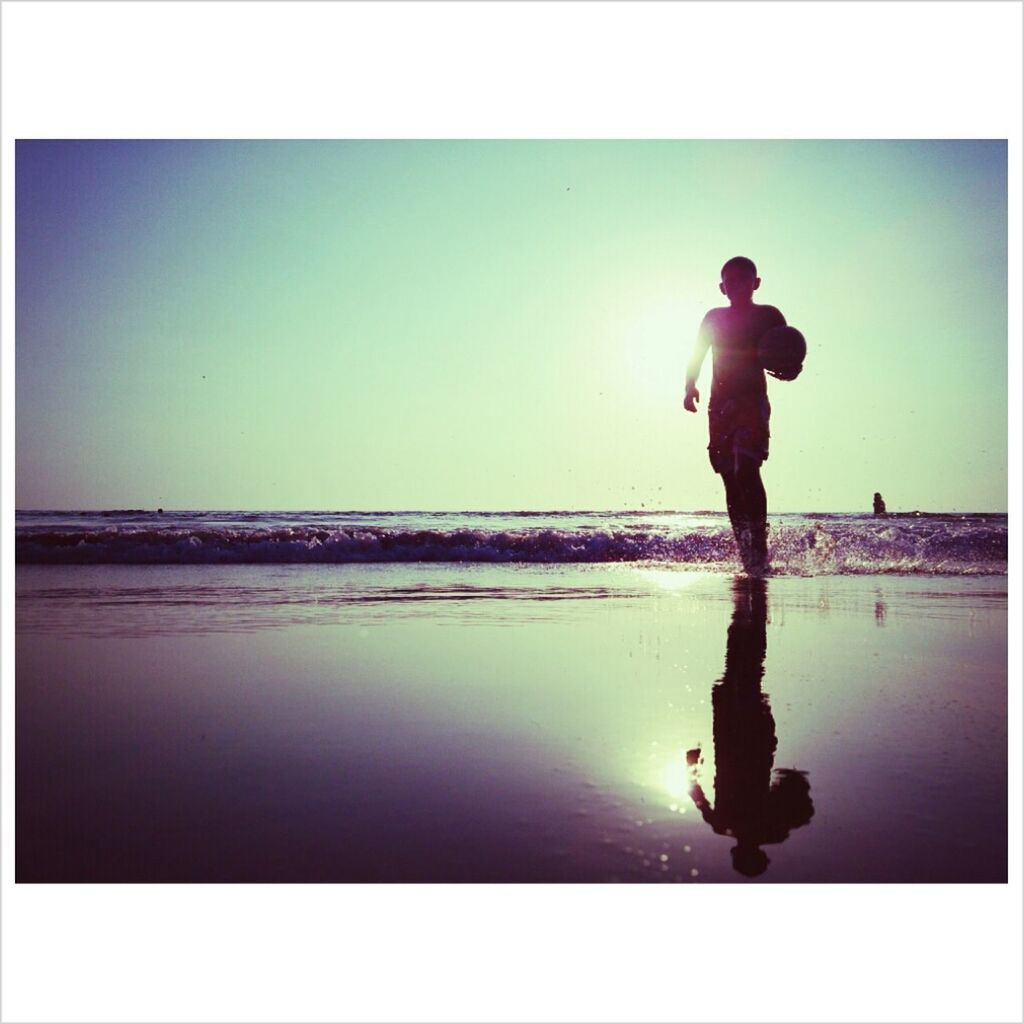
{"points": [[656, 346]]}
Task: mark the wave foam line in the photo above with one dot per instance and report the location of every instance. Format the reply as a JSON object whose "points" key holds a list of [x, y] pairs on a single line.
{"points": [[794, 550]]}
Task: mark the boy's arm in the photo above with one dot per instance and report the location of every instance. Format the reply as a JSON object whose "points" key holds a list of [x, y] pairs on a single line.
{"points": [[707, 812], [700, 350]]}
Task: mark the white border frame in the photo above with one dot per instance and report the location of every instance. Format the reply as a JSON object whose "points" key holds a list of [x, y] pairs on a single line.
{"points": [[512, 70]]}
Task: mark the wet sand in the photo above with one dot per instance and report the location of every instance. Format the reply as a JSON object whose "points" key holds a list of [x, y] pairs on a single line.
{"points": [[412, 723]]}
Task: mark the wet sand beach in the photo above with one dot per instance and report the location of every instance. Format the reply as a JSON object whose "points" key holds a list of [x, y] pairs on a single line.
{"points": [[481, 723]]}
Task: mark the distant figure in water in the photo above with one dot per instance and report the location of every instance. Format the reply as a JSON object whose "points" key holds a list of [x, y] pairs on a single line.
{"points": [[738, 410], [879, 505], [752, 804]]}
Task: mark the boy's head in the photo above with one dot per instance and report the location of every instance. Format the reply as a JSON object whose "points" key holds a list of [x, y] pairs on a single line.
{"points": [[749, 859], [739, 281]]}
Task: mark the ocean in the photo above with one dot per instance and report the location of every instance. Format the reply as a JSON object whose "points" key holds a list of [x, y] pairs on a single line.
{"points": [[508, 697]]}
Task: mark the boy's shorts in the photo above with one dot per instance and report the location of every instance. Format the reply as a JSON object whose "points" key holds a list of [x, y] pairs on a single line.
{"points": [[738, 428]]}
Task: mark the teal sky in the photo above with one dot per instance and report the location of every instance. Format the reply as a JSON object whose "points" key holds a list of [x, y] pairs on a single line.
{"points": [[499, 325]]}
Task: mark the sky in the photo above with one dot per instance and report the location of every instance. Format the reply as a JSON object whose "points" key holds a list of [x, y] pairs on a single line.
{"points": [[500, 325]]}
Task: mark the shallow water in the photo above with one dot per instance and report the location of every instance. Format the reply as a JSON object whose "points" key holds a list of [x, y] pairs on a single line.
{"points": [[389, 722]]}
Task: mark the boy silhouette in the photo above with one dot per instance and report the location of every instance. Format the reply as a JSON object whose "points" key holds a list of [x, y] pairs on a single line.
{"points": [[738, 411]]}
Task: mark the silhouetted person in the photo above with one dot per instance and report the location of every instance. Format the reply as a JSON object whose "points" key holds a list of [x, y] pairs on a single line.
{"points": [[879, 505], [751, 805], [738, 411]]}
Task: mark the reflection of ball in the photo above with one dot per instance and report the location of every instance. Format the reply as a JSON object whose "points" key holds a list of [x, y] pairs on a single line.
{"points": [[782, 350]]}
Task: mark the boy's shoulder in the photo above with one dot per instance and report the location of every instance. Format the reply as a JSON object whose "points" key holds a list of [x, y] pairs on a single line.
{"points": [[771, 311], [764, 311]]}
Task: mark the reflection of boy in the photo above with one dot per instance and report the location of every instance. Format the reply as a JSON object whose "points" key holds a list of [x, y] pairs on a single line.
{"points": [[738, 411], [753, 804]]}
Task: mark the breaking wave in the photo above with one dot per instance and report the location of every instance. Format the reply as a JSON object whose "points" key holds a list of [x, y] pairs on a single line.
{"points": [[840, 545]]}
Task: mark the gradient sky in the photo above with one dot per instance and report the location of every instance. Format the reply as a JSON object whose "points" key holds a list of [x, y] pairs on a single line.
{"points": [[500, 325]]}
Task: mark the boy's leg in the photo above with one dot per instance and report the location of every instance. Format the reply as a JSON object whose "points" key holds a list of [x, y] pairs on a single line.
{"points": [[748, 511], [751, 486], [734, 501], [736, 504], [755, 507]]}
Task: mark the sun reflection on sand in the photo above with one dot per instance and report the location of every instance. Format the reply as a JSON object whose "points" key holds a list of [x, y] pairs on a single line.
{"points": [[672, 579], [674, 780]]}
